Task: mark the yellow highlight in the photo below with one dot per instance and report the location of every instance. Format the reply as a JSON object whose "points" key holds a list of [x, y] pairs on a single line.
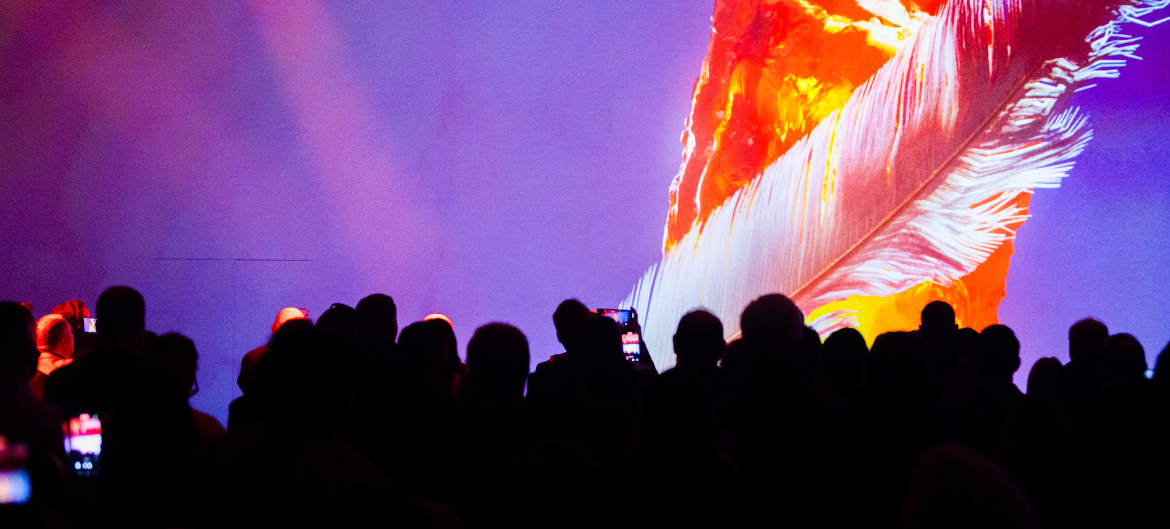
{"points": [[888, 32], [975, 298]]}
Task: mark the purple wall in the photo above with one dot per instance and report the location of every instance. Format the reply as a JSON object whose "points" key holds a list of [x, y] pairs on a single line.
{"points": [[481, 160]]}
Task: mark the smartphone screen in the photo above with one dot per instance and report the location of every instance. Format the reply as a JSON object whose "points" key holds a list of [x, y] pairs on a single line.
{"points": [[631, 341], [83, 444], [89, 324], [15, 486]]}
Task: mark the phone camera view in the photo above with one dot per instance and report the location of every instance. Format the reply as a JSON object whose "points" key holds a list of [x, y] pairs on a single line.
{"points": [[632, 346], [89, 324], [14, 483], [83, 444], [631, 341]]}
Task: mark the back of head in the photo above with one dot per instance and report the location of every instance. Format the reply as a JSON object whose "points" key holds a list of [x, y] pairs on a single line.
{"points": [[455, 367], [286, 315], [567, 319], [173, 357], [299, 377], [18, 349], [997, 353], [600, 337], [425, 353], [699, 339], [1124, 358], [1086, 338], [938, 315], [74, 311], [376, 319], [810, 354], [772, 327], [55, 336], [955, 486], [338, 321], [899, 362], [497, 363], [121, 316], [843, 357], [1043, 377]]}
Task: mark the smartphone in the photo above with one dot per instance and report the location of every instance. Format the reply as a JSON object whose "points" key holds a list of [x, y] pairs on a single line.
{"points": [[89, 324], [83, 444], [631, 341], [15, 487]]}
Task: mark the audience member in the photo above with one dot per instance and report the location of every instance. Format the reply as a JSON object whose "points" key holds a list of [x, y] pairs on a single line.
{"points": [[244, 409], [955, 486], [804, 431], [498, 426], [252, 358], [1082, 377], [339, 321], [293, 468], [376, 324], [107, 378], [174, 359], [55, 343], [1045, 377], [349, 422], [456, 369], [843, 364], [29, 428], [1123, 360], [84, 340], [22, 416], [977, 416]]}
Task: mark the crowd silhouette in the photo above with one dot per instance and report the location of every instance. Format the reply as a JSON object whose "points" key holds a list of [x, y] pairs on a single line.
{"points": [[350, 422]]}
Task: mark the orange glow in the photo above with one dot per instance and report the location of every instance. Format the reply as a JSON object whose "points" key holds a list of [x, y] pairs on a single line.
{"points": [[439, 316], [774, 69], [975, 297]]}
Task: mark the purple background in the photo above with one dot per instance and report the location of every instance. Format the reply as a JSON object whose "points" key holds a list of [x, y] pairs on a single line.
{"points": [[481, 160]]}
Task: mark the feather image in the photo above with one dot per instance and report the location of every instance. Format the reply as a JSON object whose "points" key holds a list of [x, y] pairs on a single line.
{"points": [[918, 180]]}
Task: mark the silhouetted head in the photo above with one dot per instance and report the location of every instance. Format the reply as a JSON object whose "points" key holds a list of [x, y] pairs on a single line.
{"points": [[299, 377], [939, 330], [74, 312], [54, 336], [997, 353], [938, 315], [810, 354], [965, 340], [173, 356], [497, 363], [773, 327], [735, 351], [567, 319], [1086, 338], [121, 318], [1124, 358], [699, 339], [1044, 375], [899, 364], [955, 486], [600, 337], [286, 315], [843, 357], [426, 353], [455, 366], [376, 319], [18, 348], [338, 321]]}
